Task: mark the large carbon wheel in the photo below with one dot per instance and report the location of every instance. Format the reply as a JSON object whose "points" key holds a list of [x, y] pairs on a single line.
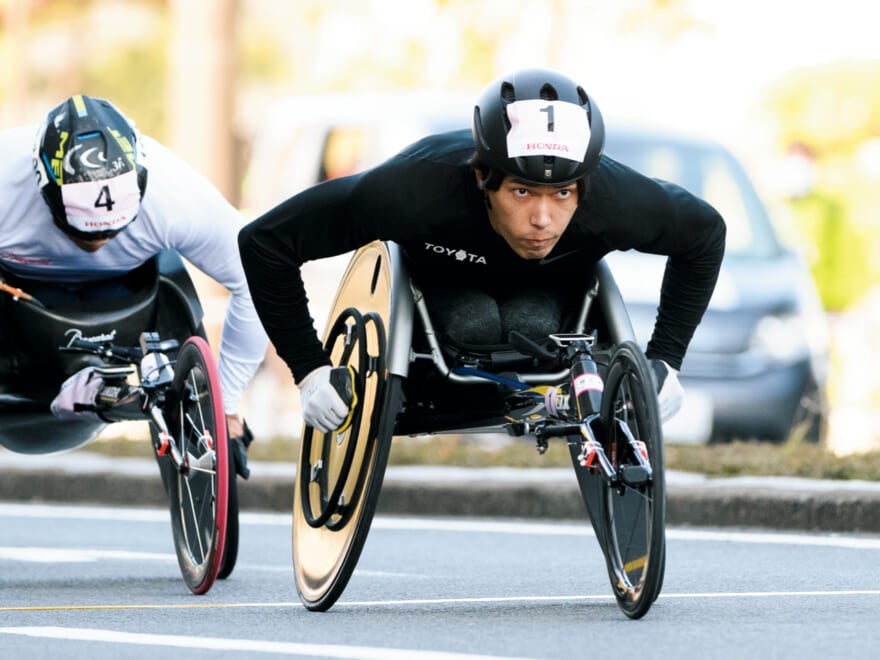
{"points": [[339, 475], [198, 492], [632, 518]]}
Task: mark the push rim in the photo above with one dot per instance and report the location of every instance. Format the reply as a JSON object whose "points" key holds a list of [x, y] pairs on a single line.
{"points": [[324, 556]]}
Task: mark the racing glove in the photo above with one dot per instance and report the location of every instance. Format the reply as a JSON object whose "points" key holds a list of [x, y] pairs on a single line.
{"points": [[328, 398], [77, 396], [670, 393]]}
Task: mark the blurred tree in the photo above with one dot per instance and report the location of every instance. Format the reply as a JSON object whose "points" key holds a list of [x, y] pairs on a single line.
{"points": [[826, 115], [110, 48], [134, 80], [834, 107]]}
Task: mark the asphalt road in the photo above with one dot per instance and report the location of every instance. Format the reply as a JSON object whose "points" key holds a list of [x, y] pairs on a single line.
{"points": [[86, 582]]}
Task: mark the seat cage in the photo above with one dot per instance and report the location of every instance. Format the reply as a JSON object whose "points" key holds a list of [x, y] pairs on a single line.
{"points": [[408, 300], [163, 298]]}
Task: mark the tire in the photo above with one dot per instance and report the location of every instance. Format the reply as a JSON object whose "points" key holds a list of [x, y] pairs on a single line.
{"points": [[632, 513], [230, 546], [199, 493], [339, 476]]}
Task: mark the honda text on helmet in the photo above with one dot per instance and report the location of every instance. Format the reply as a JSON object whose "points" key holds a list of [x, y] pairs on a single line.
{"points": [[90, 168], [538, 126]]}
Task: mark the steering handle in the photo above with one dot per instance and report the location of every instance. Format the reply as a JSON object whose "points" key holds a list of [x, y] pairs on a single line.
{"points": [[529, 346]]}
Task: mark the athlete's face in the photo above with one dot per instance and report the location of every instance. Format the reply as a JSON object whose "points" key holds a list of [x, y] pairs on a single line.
{"points": [[531, 218]]}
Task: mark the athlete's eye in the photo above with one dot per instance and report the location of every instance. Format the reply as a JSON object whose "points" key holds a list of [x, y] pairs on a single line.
{"points": [[520, 192], [564, 193]]}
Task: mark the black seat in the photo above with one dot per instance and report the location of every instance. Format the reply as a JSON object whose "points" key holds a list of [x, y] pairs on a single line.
{"points": [[123, 307]]}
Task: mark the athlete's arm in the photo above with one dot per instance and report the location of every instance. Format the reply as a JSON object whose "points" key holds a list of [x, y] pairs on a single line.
{"points": [[658, 217], [404, 199], [202, 226]]}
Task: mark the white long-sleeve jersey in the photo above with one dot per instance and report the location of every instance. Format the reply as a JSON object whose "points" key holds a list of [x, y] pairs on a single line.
{"points": [[180, 211]]}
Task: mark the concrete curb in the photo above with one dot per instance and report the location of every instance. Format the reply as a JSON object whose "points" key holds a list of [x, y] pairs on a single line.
{"points": [[775, 503]]}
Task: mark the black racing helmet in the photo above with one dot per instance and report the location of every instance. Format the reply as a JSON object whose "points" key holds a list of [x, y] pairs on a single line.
{"points": [[538, 126], [90, 168]]}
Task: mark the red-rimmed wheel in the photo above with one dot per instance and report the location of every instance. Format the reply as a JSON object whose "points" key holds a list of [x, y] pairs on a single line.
{"points": [[199, 490]]}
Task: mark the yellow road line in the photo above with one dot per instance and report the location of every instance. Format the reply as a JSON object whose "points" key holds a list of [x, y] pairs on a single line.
{"points": [[175, 606]]}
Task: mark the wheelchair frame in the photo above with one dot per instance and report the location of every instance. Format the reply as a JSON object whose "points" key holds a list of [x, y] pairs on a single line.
{"points": [[339, 478], [203, 501]]}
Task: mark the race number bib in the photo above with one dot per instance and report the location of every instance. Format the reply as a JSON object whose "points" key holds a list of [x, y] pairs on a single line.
{"points": [[547, 128], [108, 204]]}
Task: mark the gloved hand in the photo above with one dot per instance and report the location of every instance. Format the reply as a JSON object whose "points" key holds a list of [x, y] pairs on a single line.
{"points": [[76, 398], [239, 445], [328, 398], [670, 393]]}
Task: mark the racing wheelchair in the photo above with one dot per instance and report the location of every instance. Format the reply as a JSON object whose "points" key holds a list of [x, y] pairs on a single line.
{"points": [[588, 385], [143, 334]]}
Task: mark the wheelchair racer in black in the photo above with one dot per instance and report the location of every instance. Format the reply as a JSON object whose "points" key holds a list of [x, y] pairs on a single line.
{"points": [[492, 220]]}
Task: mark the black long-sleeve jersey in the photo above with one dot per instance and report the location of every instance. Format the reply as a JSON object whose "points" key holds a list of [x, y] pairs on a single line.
{"points": [[427, 200]]}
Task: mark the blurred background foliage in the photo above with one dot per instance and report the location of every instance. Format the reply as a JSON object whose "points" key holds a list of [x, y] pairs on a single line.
{"points": [[801, 110], [829, 117], [125, 50]]}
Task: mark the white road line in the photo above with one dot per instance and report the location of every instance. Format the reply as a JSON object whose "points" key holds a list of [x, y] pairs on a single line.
{"points": [[73, 512], [75, 555], [584, 598], [245, 645]]}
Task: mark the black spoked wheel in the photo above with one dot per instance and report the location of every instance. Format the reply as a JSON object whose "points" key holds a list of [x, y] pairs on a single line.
{"points": [[633, 516], [339, 475], [199, 490]]}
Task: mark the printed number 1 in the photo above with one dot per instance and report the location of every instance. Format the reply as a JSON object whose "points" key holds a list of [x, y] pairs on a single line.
{"points": [[550, 121], [104, 199]]}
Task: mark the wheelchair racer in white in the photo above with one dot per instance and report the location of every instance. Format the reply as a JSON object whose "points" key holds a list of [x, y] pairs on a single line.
{"points": [[84, 197]]}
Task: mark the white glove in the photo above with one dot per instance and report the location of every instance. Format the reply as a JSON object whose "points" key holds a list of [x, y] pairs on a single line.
{"points": [[78, 391], [670, 393], [322, 406]]}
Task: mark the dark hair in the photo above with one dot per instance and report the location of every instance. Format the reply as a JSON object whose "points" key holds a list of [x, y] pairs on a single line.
{"points": [[493, 177]]}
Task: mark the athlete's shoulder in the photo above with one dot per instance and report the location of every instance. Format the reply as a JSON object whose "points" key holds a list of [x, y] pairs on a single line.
{"points": [[452, 147], [19, 136], [17, 147], [175, 186], [616, 184]]}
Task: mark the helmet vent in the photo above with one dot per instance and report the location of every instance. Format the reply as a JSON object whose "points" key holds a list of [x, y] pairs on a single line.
{"points": [[582, 95], [549, 93]]}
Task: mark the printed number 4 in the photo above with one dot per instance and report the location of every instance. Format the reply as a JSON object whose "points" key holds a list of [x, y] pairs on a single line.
{"points": [[550, 120], [104, 199]]}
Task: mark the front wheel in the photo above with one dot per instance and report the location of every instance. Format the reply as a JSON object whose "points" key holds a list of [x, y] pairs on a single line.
{"points": [[339, 475], [633, 515], [198, 490]]}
